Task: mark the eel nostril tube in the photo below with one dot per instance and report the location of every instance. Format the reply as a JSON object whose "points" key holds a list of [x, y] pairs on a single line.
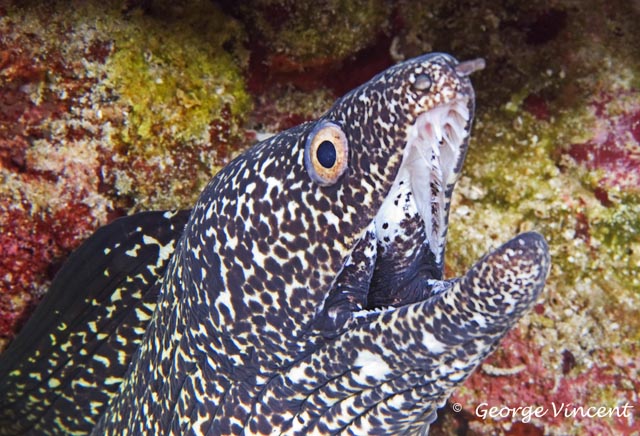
{"points": [[467, 67]]}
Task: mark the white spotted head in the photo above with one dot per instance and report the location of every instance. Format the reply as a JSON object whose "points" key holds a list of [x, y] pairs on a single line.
{"points": [[271, 234]]}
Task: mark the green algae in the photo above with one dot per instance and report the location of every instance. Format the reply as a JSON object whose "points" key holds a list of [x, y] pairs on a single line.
{"points": [[176, 72], [176, 75], [519, 176], [522, 187], [164, 91], [336, 29], [514, 181]]}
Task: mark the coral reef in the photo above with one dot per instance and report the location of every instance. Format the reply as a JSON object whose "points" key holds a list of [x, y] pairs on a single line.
{"points": [[104, 109], [111, 107]]}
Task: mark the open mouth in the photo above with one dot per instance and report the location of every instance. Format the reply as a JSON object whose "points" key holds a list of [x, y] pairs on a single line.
{"points": [[411, 225], [399, 259], [430, 167], [433, 155]]}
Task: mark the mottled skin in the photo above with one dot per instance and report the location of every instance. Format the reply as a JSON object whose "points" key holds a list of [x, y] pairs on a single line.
{"points": [[295, 302]]}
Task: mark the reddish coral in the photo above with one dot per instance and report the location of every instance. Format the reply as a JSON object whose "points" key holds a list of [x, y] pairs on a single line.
{"points": [[26, 250], [62, 153], [615, 145], [538, 385], [537, 106], [20, 117], [34, 238], [267, 70], [32, 248]]}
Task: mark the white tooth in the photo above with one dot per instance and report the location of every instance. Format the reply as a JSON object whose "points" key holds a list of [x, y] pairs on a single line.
{"points": [[437, 129], [448, 132], [452, 135], [463, 110], [456, 118], [458, 128], [424, 133]]}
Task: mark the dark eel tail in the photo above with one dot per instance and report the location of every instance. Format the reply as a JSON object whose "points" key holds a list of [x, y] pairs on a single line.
{"points": [[68, 361]]}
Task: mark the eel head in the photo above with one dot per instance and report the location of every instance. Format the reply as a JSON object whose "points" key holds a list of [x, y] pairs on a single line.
{"points": [[318, 258]]}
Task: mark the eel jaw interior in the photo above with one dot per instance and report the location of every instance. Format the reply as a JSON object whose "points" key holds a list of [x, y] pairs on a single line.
{"points": [[435, 144], [430, 167], [405, 241]]}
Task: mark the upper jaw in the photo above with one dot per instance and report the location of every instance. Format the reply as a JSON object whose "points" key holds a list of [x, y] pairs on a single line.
{"points": [[431, 164], [411, 224]]}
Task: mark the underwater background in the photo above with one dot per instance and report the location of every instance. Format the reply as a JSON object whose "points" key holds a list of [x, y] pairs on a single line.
{"points": [[112, 107]]}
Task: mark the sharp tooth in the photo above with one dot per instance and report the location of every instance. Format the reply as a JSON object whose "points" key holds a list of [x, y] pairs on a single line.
{"points": [[458, 129], [429, 131], [463, 111], [437, 129], [456, 118], [451, 135]]}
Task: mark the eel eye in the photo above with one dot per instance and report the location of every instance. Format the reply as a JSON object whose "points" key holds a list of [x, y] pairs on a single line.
{"points": [[326, 153], [422, 82]]}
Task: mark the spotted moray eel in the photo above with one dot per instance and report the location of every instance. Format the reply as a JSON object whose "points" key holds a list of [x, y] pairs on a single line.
{"points": [[303, 293]]}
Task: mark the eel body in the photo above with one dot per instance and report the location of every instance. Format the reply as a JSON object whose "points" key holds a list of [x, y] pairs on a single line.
{"points": [[302, 294]]}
